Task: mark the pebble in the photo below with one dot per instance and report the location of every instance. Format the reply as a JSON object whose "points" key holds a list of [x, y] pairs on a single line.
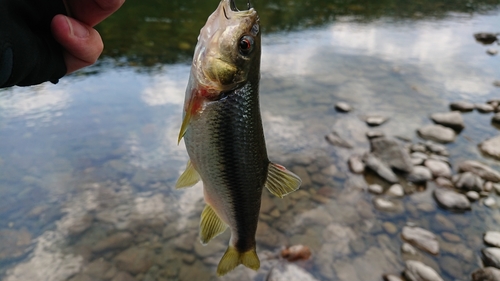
{"points": [[335, 139], [438, 168], [468, 181], [419, 174], [451, 237], [408, 249], [451, 199], [343, 107], [80, 225], [491, 256], [491, 147], [375, 120], [486, 274], [484, 108], [374, 134], [14, 243], [419, 155], [472, 195], [396, 190], [390, 152], [436, 148], [421, 238], [389, 227], [492, 52], [356, 165], [118, 240], [488, 186], [444, 182], [380, 168], [303, 175], [97, 268], [387, 205], [375, 188], [463, 106], [492, 238], [490, 202], [451, 119], [288, 272], [134, 260], [391, 277], [417, 271], [480, 169], [437, 133]]}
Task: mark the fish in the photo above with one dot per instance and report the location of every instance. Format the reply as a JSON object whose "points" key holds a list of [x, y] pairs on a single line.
{"points": [[223, 133]]}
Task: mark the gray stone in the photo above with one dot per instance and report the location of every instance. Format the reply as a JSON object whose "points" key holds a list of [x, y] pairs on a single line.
{"points": [[396, 190], [468, 181], [389, 227], [491, 256], [419, 174], [492, 52], [486, 274], [472, 195], [417, 271], [421, 238], [437, 133], [80, 225], [436, 148], [387, 205], [480, 169], [134, 260], [391, 277], [463, 106], [452, 267], [488, 186], [417, 161], [418, 147], [97, 268], [484, 108], [335, 139], [374, 134], [491, 147], [375, 120], [343, 107], [451, 119], [356, 164], [375, 188], [419, 155], [118, 240], [380, 168], [492, 238], [490, 202], [444, 182], [392, 153], [287, 272], [438, 168], [408, 249], [451, 199]]}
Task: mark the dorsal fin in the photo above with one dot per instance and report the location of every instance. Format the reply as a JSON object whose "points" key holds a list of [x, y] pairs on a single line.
{"points": [[281, 181]]}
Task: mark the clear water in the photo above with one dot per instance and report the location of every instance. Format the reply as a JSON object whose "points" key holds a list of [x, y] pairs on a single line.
{"points": [[98, 150]]}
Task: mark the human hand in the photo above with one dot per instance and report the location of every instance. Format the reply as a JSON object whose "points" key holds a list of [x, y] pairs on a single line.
{"points": [[81, 42]]}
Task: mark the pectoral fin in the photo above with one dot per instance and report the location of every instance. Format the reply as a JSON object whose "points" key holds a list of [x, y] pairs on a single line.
{"points": [[210, 225], [185, 123], [281, 181], [188, 178]]}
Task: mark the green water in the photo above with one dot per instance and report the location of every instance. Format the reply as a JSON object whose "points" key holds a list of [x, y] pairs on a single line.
{"points": [[98, 150]]}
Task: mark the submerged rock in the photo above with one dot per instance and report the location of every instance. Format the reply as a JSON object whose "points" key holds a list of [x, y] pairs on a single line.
{"points": [[485, 37], [437, 133], [356, 165], [436, 148], [334, 139], [491, 256], [374, 134], [417, 271], [343, 107], [438, 168], [380, 168], [386, 205], [492, 238], [14, 244], [468, 181], [391, 277], [421, 238], [463, 106], [287, 272], [451, 119], [486, 274], [484, 108], [375, 120], [375, 188], [390, 152], [452, 200], [480, 169], [134, 260], [419, 174], [116, 241], [491, 147], [492, 52]]}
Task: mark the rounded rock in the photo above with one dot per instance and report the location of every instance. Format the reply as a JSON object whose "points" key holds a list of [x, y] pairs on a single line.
{"points": [[437, 133]]}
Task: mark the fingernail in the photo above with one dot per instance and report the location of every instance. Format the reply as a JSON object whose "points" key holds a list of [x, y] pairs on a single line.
{"points": [[77, 29]]}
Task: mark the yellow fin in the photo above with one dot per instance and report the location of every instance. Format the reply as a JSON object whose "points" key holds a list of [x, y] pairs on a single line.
{"points": [[185, 123], [232, 258], [189, 177], [210, 225], [280, 181]]}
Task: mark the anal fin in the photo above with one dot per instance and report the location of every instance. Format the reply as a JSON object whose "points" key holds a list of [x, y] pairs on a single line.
{"points": [[281, 181], [189, 177], [210, 225]]}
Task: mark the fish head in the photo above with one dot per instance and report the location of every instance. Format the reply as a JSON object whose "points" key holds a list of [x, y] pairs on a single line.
{"points": [[228, 46], [226, 56]]}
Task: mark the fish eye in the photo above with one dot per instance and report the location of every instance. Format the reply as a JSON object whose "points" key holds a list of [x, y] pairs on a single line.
{"points": [[246, 45]]}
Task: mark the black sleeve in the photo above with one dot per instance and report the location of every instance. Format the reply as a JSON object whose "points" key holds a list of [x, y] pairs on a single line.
{"points": [[29, 53]]}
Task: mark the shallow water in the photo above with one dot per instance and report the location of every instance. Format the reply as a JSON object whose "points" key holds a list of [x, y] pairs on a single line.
{"points": [[96, 154]]}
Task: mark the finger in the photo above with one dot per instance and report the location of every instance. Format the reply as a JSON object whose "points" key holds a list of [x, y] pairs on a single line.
{"points": [[82, 43], [92, 12]]}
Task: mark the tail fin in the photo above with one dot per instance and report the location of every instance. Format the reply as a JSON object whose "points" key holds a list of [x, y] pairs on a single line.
{"points": [[232, 258]]}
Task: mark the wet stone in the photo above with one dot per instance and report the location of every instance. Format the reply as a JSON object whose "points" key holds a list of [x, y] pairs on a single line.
{"points": [[419, 155], [452, 267], [419, 174], [98, 268], [421, 238], [472, 195], [14, 243], [134, 260], [451, 237], [437, 133], [491, 257], [492, 52], [418, 147], [288, 272], [484, 108], [343, 107], [491, 147], [380, 168], [389, 227], [444, 182], [480, 169], [303, 174], [490, 202], [374, 134], [463, 106], [375, 188], [438, 168], [492, 238], [417, 161], [452, 200], [118, 240], [486, 274], [391, 277], [408, 249], [386, 205], [82, 277], [485, 37], [436, 148], [356, 165], [396, 190], [451, 119], [468, 181], [417, 271], [488, 186], [392, 153], [80, 225], [335, 139], [375, 120]]}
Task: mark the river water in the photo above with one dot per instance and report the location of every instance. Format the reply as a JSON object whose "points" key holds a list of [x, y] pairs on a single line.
{"points": [[96, 154]]}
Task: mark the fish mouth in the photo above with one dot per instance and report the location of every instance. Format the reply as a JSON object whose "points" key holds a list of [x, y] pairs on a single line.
{"points": [[232, 6]]}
